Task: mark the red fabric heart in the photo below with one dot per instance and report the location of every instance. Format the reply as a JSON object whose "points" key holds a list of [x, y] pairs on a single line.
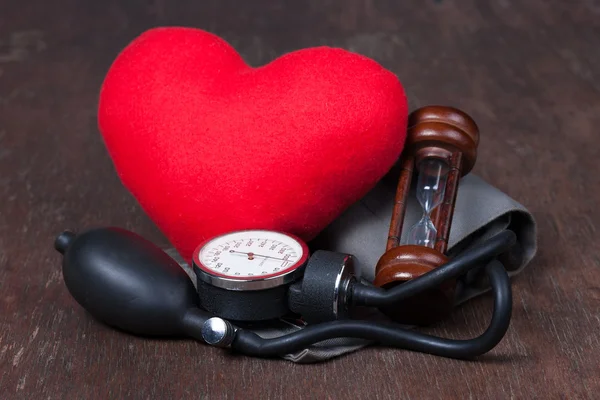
{"points": [[208, 144]]}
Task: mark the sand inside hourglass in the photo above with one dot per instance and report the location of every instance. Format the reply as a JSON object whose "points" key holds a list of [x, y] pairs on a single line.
{"points": [[431, 186]]}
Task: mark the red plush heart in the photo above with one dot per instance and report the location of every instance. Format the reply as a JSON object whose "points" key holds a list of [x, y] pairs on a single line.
{"points": [[208, 144]]}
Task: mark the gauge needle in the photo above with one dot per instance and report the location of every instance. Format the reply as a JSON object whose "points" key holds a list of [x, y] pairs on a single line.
{"points": [[252, 255]]}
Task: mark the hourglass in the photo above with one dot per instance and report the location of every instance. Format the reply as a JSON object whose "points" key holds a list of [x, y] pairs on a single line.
{"points": [[441, 147]]}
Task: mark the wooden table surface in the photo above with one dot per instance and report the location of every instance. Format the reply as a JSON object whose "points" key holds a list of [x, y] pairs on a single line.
{"points": [[528, 72]]}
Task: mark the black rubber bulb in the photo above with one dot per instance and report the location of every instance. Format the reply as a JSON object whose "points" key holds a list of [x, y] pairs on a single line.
{"points": [[129, 283]]}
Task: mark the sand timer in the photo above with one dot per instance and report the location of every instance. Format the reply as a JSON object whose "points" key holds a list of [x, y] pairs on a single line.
{"points": [[441, 147]]}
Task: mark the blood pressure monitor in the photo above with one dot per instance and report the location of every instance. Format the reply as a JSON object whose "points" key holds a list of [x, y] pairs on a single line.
{"points": [[251, 276]]}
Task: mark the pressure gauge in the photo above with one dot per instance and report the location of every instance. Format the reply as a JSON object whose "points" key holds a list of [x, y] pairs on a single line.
{"points": [[250, 260], [244, 275]]}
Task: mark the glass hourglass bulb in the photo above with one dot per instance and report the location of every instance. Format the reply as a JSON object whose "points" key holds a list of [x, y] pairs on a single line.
{"points": [[431, 186]]}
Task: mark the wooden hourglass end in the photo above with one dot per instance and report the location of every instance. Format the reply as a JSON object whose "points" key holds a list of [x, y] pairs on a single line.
{"points": [[407, 262], [440, 131]]}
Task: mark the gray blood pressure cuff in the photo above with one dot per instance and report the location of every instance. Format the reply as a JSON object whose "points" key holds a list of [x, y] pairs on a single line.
{"points": [[481, 211]]}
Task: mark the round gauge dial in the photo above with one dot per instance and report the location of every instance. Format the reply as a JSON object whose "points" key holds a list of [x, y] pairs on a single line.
{"points": [[250, 255]]}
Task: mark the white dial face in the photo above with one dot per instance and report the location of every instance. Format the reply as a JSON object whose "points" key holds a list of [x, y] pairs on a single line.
{"points": [[254, 254]]}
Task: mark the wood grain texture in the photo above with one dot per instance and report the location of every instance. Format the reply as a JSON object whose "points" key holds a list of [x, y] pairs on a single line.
{"points": [[528, 73]]}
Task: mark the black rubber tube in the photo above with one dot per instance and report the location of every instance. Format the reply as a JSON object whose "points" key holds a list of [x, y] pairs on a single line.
{"points": [[371, 296], [391, 334]]}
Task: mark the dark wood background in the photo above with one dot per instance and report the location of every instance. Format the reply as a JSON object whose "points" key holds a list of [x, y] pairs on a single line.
{"points": [[527, 71]]}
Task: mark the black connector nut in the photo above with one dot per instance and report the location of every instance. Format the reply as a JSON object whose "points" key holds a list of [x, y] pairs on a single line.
{"points": [[322, 294]]}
